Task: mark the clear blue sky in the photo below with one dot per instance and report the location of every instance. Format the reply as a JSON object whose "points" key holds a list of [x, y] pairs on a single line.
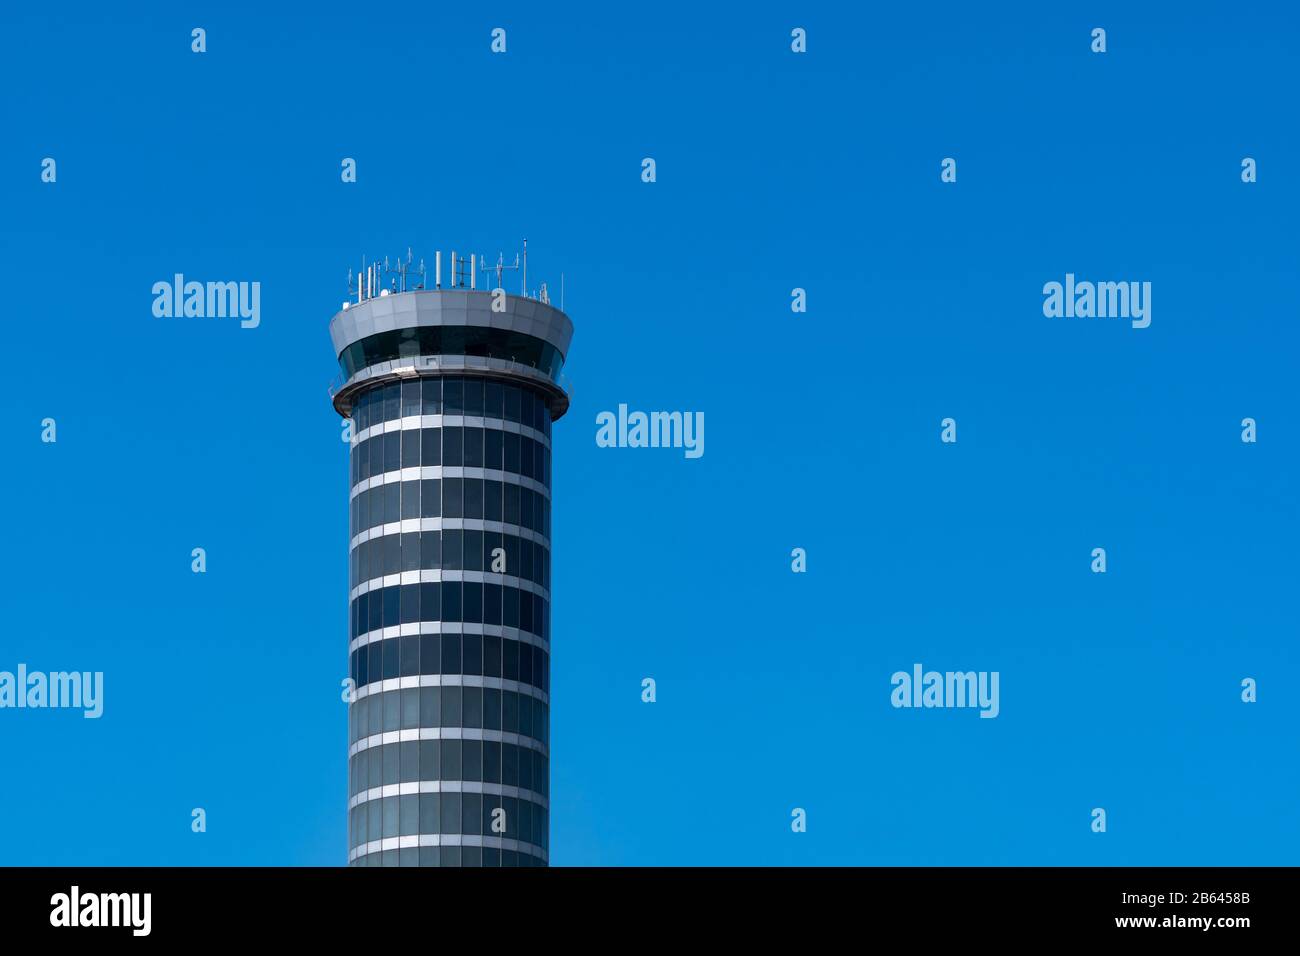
{"points": [[775, 171]]}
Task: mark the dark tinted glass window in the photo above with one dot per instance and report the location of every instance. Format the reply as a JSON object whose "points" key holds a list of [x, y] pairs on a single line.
{"points": [[411, 551], [410, 499], [492, 615], [492, 446], [453, 446], [471, 813], [430, 649], [493, 398], [450, 651], [410, 447], [451, 706], [527, 457], [471, 756], [390, 651], [473, 555], [453, 498], [411, 397], [492, 500], [431, 389], [451, 340], [430, 550], [453, 549], [472, 602], [510, 657], [410, 601], [392, 450], [451, 611], [472, 656], [450, 822], [430, 498], [410, 650], [473, 498], [473, 448], [453, 396], [431, 446], [526, 498], [512, 452], [474, 396]]}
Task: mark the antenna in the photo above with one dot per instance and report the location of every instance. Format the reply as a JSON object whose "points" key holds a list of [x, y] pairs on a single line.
{"points": [[399, 275], [460, 269], [499, 268], [387, 276]]}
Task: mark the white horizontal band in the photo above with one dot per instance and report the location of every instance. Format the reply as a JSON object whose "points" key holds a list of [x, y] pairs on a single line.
{"points": [[414, 422], [411, 525], [430, 472], [438, 575], [446, 786], [410, 734], [444, 839], [412, 681], [416, 628]]}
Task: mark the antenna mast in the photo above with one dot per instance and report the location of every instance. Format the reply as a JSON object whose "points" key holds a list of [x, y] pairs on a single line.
{"points": [[499, 268], [382, 277]]}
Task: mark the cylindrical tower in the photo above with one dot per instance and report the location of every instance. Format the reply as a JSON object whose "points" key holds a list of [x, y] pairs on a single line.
{"points": [[451, 393]]}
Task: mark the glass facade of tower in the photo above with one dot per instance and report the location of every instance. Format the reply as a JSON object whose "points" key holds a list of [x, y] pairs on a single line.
{"points": [[449, 613]]}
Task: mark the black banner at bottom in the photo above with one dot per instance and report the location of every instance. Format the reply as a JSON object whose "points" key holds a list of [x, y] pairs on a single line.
{"points": [[213, 905]]}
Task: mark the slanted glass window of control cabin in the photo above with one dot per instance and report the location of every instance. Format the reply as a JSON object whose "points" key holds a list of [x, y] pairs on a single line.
{"points": [[433, 340]]}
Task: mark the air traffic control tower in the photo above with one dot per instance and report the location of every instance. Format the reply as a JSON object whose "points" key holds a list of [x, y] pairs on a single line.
{"points": [[451, 392]]}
